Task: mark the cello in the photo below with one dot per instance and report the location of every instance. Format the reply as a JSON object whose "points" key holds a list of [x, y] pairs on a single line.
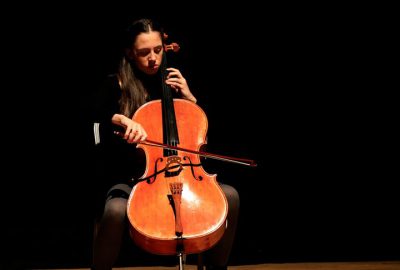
{"points": [[176, 207]]}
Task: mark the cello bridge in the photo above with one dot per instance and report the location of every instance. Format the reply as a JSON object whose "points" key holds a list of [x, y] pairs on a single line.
{"points": [[173, 166]]}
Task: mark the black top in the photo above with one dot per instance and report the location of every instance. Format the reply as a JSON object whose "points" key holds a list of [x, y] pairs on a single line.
{"points": [[118, 160]]}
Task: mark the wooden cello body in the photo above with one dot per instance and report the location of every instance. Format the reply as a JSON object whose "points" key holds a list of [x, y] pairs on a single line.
{"points": [[180, 207]]}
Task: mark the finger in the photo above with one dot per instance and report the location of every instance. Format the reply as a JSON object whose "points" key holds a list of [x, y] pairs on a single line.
{"points": [[174, 79], [127, 132], [134, 139], [132, 133], [173, 85]]}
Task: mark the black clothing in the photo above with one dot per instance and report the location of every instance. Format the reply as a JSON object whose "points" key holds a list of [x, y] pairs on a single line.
{"points": [[121, 161]]}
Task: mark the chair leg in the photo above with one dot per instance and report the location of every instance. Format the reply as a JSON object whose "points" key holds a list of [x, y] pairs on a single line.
{"points": [[200, 263], [95, 230], [182, 259]]}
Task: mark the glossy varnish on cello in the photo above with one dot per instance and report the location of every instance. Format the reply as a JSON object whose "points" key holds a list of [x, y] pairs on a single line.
{"points": [[179, 207]]}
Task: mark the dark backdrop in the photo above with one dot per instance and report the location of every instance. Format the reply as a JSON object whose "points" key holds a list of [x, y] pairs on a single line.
{"points": [[280, 85]]}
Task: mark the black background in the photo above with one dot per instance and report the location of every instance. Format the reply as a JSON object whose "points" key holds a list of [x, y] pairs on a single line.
{"points": [[282, 85]]}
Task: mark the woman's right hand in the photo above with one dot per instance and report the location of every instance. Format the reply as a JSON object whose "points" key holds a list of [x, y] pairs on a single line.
{"points": [[134, 132]]}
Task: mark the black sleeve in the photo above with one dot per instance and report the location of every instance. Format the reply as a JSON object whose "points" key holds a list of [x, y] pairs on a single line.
{"points": [[105, 100]]}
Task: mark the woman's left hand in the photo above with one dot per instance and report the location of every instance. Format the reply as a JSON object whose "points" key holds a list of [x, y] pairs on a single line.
{"points": [[177, 82]]}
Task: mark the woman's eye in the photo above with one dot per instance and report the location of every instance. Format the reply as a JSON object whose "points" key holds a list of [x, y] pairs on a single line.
{"points": [[143, 52], [158, 49]]}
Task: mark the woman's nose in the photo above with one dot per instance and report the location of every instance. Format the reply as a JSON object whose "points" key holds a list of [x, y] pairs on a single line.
{"points": [[152, 56]]}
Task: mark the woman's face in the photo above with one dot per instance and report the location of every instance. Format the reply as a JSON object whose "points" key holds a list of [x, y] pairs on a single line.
{"points": [[147, 52]]}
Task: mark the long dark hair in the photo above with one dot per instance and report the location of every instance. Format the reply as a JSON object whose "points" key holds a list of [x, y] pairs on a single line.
{"points": [[134, 93]]}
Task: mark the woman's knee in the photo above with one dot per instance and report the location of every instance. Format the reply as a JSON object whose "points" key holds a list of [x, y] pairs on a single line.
{"points": [[116, 208], [232, 196]]}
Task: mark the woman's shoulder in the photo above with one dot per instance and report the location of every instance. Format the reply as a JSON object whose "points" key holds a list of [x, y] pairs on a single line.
{"points": [[106, 90], [108, 84], [111, 80]]}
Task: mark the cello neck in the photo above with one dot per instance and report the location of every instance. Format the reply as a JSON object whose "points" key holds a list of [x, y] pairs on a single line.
{"points": [[168, 112]]}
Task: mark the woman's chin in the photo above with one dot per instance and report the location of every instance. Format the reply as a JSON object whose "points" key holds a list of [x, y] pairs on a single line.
{"points": [[151, 71]]}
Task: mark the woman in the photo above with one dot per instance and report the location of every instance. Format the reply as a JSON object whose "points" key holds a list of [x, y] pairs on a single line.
{"points": [[137, 81]]}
